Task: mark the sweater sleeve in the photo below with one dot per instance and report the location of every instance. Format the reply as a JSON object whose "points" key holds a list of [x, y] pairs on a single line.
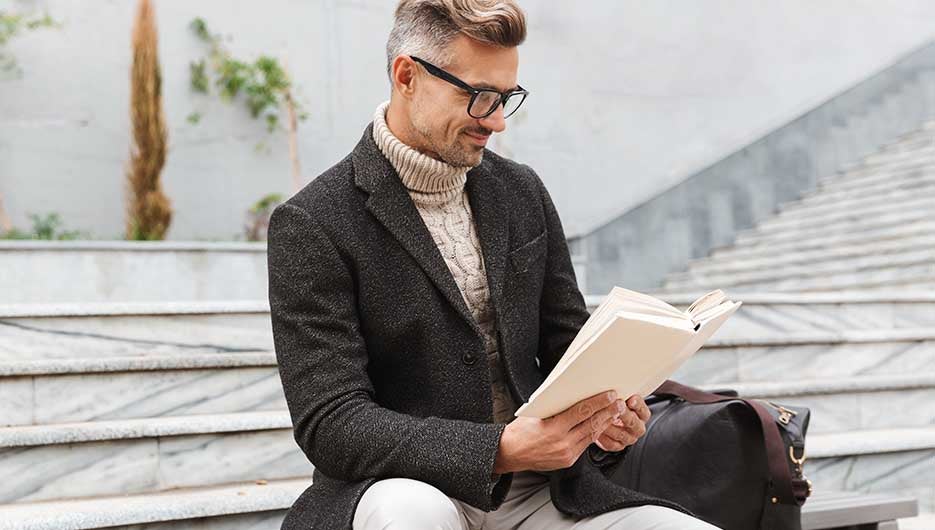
{"points": [[322, 360]]}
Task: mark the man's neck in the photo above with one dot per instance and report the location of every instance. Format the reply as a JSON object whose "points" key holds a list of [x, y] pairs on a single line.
{"points": [[401, 128]]}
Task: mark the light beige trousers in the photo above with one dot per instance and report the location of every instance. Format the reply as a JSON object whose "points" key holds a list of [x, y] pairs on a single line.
{"points": [[407, 504]]}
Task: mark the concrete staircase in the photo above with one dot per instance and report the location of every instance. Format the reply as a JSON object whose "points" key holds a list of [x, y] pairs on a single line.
{"points": [[160, 415], [839, 316], [868, 227], [170, 414]]}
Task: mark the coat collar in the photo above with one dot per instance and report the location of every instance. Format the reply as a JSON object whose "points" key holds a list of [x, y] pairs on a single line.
{"points": [[390, 203]]}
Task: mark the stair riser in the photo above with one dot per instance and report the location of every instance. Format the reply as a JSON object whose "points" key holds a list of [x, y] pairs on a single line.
{"points": [[271, 520], [37, 400], [864, 263], [910, 277], [716, 365], [117, 336], [148, 464], [908, 473], [814, 257], [863, 176], [849, 411], [921, 149], [764, 249], [862, 473], [841, 227], [906, 277], [819, 201], [908, 143], [760, 321], [883, 204], [108, 275]]}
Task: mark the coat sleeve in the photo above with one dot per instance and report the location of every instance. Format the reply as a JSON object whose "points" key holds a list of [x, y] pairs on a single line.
{"points": [[323, 360], [562, 309]]}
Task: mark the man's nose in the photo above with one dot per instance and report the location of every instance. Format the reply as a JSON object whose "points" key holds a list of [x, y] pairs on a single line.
{"points": [[495, 122]]}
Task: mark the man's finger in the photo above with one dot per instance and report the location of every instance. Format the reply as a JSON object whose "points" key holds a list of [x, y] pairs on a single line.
{"points": [[586, 408], [638, 405]]}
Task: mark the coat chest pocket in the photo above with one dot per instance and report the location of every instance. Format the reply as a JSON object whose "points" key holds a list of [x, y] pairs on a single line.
{"points": [[528, 253]]}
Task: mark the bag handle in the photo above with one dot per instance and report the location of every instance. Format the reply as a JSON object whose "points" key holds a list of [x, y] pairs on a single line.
{"points": [[786, 491]]}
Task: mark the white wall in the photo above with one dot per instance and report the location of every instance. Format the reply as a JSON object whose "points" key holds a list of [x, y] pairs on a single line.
{"points": [[628, 97]]}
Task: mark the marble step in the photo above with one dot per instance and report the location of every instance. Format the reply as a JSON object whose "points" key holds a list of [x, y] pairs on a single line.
{"points": [[115, 388], [922, 149], [146, 455], [820, 200], [818, 257], [921, 210], [102, 271], [909, 257], [896, 461], [773, 316], [907, 142], [817, 241], [919, 193], [919, 275], [878, 461], [241, 506], [98, 330], [869, 174], [811, 355], [852, 403], [866, 175]]}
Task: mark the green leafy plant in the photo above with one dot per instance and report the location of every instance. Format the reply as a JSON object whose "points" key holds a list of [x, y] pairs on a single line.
{"points": [[264, 84], [258, 216], [12, 24], [45, 227]]}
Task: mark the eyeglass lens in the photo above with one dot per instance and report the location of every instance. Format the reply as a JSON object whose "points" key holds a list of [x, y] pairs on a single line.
{"points": [[486, 102]]}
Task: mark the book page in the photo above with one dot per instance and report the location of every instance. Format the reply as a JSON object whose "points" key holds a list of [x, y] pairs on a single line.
{"points": [[662, 321], [718, 316], [623, 357], [619, 299], [708, 301]]}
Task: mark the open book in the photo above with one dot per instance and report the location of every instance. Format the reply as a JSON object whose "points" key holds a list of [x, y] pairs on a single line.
{"points": [[631, 343]]}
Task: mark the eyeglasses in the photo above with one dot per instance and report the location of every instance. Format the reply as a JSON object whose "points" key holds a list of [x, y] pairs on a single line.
{"points": [[484, 101]]}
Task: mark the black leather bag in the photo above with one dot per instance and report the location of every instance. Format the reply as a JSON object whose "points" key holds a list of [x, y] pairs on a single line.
{"points": [[736, 463]]}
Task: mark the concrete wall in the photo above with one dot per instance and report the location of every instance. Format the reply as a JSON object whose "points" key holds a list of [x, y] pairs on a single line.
{"points": [[708, 209], [628, 97]]}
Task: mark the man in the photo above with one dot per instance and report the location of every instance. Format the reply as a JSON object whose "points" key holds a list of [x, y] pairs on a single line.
{"points": [[421, 289]]}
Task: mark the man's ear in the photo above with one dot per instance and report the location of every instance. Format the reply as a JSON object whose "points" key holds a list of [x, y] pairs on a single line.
{"points": [[404, 74]]}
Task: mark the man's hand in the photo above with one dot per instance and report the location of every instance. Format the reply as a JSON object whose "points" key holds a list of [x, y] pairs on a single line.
{"points": [[557, 442], [626, 429]]}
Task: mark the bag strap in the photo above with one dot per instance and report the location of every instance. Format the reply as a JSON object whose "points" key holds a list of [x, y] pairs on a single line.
{"points": [[786, 491]]}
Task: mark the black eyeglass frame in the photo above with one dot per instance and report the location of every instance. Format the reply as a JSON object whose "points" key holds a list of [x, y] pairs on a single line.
{"points": [[502, 96]]}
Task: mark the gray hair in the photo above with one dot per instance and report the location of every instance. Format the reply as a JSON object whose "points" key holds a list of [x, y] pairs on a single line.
{"points": [[426, 27]]}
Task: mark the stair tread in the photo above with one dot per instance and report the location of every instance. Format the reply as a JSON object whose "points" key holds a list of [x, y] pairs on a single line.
{"points": [[171, 505], [80, 309], [870, 441], [139, 363], [90, 431], [827, 385]]}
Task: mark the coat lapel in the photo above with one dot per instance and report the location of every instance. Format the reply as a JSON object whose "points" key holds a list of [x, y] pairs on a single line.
{"points": [[391, 205]]}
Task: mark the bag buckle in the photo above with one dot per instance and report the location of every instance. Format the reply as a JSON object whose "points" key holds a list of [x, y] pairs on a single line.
{"points": [[799, 469], [785, 415]]}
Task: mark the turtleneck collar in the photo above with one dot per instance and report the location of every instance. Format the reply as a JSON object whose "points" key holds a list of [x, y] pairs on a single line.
{"points": [[429, 180]]}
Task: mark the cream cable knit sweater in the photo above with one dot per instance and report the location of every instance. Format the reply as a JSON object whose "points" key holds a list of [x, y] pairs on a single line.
{"points": [[437, 189]]}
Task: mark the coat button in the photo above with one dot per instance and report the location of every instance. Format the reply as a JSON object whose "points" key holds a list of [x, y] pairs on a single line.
{"points": [[468, 358]]}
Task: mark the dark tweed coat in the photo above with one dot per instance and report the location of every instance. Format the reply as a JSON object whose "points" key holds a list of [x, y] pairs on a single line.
{"points": [[382, 364]]}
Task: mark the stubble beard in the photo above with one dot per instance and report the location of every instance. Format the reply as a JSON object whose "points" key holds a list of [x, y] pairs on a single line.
{"points": [[454, 153]]}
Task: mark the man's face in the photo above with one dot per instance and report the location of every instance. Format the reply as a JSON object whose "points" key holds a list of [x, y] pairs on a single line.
{"points": [[439, 109]]}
